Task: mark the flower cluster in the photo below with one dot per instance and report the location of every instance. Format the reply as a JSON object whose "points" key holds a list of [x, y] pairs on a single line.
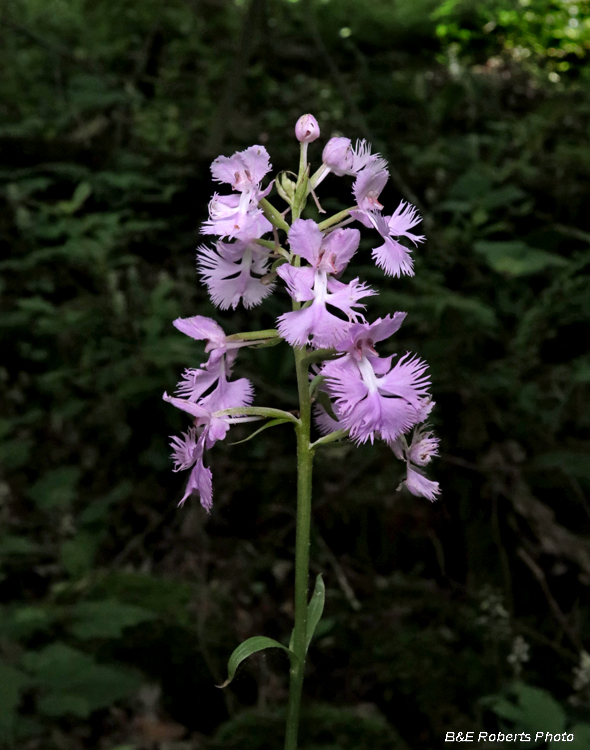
{"points": [[233, 270], [206, 391], [358, 393]]}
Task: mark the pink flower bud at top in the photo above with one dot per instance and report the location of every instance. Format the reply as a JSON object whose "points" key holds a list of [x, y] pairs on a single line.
{"points": [[338, 156], [307, 129]]}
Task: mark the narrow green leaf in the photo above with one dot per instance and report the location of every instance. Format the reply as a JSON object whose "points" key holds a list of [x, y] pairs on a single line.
{"points": [[314, 612], [268, 333], [257, 411], [323, 400], [315, 383], [272, 423], [332, 437], [315, 608], [246, 649]]}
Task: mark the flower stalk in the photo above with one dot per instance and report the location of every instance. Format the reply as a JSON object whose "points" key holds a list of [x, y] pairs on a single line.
{"points": [[304, 486]]}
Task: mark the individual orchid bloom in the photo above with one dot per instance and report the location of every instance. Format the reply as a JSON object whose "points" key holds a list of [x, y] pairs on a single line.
{"points": [[368, 185], [244, 170], [236, 216], [341, 158], [228, 273], [372, 398], [393, 257], [338, 156], [419, 452], [187, 453], [208, 385], [189, 450], [201, 328], [327, 256], [420, 485]]}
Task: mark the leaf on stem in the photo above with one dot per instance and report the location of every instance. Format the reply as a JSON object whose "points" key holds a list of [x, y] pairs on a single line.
{"points": [[323, 400], [246, 649], [331, 438], [314, 612], [272, 423], [315, 608], [315, 383]]}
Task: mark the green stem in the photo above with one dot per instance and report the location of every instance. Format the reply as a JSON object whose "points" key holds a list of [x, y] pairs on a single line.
{"points": [[304, 475], [269, 333], [257, 411], [266, 243], [336, 218], [273, 215]]}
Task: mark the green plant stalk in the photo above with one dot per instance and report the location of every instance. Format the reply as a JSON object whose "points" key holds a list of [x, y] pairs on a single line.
{"points": [[336, 218], [304, 476]]}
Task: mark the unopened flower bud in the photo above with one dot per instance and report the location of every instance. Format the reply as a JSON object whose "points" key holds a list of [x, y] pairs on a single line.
{"points": [[338, 156], [285, 187], [307, 129]]}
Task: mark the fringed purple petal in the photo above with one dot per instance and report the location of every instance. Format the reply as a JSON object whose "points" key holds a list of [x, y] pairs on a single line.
{"points": [[195, 382], [201, 328], [229, 394], [420, 486], [323, 421], [404, 218], [407, 380], [393, 258], [230, 282], [201, 481], [243, 170], [313, 325]]}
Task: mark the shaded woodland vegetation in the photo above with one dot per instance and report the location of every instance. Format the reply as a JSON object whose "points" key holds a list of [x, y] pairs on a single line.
{"points": [[119, 610]]}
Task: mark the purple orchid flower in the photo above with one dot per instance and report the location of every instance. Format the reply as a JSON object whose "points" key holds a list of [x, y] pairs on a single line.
{"points": [[372, 398], [244, 170], [239, 215], [341, 158], [228, 273], [368, 185], [211, 377], [392, 256], [188, 451], [327, 256], [419, 452]]}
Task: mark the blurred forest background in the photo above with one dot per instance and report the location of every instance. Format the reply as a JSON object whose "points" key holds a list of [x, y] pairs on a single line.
{"points": [[119, 610]]}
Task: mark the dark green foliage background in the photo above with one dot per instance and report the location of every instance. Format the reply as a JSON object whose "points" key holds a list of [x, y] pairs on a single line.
{"points": [[119, 611]]}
